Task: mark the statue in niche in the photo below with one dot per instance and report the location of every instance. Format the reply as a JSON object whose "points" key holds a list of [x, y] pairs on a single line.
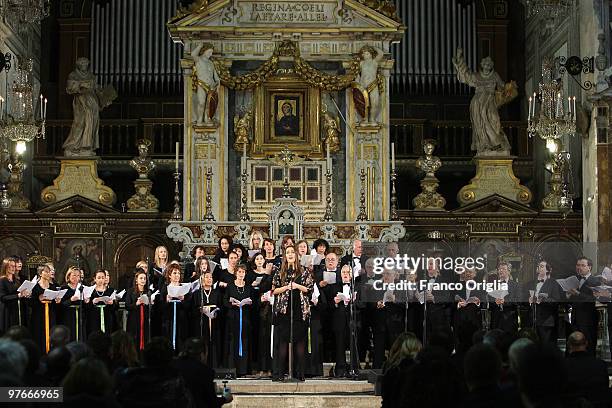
{"points": [[143, 163], [285, 223], [429, 163], [488, 138], [332, 131], [369, 84], [205, 81], [243, 126], [89, 100]]}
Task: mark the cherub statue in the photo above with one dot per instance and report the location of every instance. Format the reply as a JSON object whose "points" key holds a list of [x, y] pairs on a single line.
{"points": [[205, 81], [332, 131], [488, 138], [368, 84], [243, 126]]}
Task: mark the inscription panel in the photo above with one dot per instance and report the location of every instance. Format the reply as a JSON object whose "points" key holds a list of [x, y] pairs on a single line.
{"points": [[289, 12]]}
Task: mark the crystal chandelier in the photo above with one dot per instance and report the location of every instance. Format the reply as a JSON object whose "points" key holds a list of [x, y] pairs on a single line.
{"points": [[554, 120], [550, 11], [22, 12], [18, 120]]}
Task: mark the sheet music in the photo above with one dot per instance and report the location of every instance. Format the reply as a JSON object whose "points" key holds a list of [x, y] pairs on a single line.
{"points": [[329, 277], [607, 273], [210, 311], [257, 281], [243, 302], [26, 286], [87, 291], [224, 263], [498, 294], [178, 291], [253, 252], [569, 283], [315, 293], [54, 294]]}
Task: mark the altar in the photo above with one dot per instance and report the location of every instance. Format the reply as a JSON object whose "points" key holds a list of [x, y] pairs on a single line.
{"points": [[286, 121]]}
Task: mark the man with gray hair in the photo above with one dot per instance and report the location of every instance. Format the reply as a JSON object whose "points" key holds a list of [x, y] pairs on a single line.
{"points": [[13, 358]]}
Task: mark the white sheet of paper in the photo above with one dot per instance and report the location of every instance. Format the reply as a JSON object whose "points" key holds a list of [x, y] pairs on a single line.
{"points": [[195, 285], [498, 294], [54, 294], [388, 296], [257, 280], [253, 252], [120, 294], [102, 299], [420, 296], [212, 265], [317, 258], [306, 261], [87, 291], [346, 291], [26, 286], [178, 291], [607, 273], [153, 295], [329, 277], [211, 311], [343, 297], [315, 293], [569, 283], [224, 263], [144, 298], [243, 302]]}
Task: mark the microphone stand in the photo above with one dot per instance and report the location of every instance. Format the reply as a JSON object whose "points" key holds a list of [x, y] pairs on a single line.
{"points": [[149, 294], [353, 351], [406, 304]]}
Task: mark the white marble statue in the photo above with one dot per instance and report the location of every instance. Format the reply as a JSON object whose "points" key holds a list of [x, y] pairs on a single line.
{"points": [[368, 79], [205, 83], [89, 100], [488, 138]]}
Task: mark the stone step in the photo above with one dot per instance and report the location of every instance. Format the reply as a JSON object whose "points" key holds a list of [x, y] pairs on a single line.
{"points": [[311, 386], [305, 401]]}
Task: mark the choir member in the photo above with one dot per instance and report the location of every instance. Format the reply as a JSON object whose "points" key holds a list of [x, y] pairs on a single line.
{"points": [[262, 313], [356, 259], [437, 307], [223, 249], [544, 295], [158, 268], [191, 271], [206, 304], [291, 286], [467, 317], [287, 241], [228, 275], [72, 304], [243, 254], [504, 312], [174, 310], [100, 309], [138, 309], [270, 253], [42, 309], [321, 248], [22, 274], [314, 350], [12, 307], [585, 317], [366, 307], [341, 308], [387, 315], [330, 265], [256, 241], [238, 301], [302, 250]]}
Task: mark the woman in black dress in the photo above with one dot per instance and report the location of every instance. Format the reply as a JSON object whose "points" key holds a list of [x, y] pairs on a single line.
{"points": [[12, 307], [138, 309], [43, 310], [207, 303], [223, 249], [261, 318], [239, 321], [291, 286], [72, 304], [175, 310], [269, 251], [100, 309]]}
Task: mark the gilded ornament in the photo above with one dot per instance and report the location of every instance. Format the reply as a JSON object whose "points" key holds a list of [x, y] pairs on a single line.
{"points": [[331, 131], [243, 126]]}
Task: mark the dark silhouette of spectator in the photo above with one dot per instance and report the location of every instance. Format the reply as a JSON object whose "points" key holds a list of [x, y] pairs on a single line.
{"points": [[401, 357], [483, 368], [157, 384], [587, 375], [199, 378], [60, 336], [17, 333], [58, 365], [88, 384], [100, 345], [123, 351], [32, 376], [13, 358], [78, 350], [432, 382]]}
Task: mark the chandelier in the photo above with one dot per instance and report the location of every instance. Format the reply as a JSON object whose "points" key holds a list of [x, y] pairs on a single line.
{"points": [[550, 11], [555, 119], [22, 12], [19, 122]]}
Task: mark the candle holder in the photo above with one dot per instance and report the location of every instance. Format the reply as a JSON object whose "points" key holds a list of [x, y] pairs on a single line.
{"points": [[328, 200], [394, 215], [208, 215], [363, 216], [244, 214], [177, 214]]}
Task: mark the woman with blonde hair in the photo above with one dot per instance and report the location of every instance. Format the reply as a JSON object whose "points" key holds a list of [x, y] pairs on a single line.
{"points": [[43, 310], [71, 311], [12, 309], [158, 268], [256, 241], [401, 357]]}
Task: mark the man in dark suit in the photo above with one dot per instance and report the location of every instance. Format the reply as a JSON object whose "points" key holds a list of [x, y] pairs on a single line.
{"points": [[330, 265], [584, 315], [504, 312], [544, 295], [467, 317], [437, 301], [341, 322], [587, 375], [355, 259]]}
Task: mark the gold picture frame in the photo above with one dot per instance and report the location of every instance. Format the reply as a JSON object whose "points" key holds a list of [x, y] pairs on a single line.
{"points": [[287, 114]]}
